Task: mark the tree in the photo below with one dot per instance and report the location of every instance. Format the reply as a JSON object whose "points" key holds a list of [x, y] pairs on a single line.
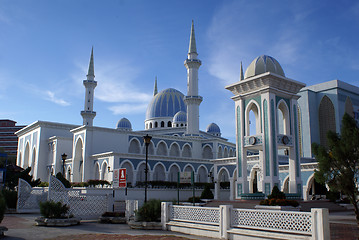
{"points": [[12, 178], [338, 165]]}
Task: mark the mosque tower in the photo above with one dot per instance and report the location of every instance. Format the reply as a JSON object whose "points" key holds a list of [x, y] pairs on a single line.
{"points": [[192, 99], [88, 114]]}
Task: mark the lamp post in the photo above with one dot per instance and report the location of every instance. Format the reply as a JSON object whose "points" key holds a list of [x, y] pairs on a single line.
{"points": [[147, 140], [63, 156]]}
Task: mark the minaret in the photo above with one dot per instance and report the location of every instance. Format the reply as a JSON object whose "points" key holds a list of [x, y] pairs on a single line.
{"points": [[192, 99], [88, 114], [155, 91]]}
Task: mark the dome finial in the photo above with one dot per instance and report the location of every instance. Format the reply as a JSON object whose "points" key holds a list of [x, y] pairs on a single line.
{"points": [[155, 91], [241, 77], [91, 71], [192, 43]]}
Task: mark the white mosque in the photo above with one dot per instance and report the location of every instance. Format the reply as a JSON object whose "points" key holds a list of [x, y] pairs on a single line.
{"points": [[288, 117]]}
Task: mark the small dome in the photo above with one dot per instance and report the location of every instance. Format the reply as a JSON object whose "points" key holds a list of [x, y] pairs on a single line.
{"points": [[180, 117], [263, 64], [213, 129], [166, 104], [124, 123]]}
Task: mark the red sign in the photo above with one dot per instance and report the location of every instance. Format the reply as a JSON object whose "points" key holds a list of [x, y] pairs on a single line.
{"points": [[122, 178]]}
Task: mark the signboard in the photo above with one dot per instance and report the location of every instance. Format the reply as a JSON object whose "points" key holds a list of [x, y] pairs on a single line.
{"points": [[186, 177], [122, 178], [119, 178]]}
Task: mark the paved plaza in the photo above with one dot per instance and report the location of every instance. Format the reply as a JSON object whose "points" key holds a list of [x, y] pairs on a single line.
{"points": [[22, 226]]}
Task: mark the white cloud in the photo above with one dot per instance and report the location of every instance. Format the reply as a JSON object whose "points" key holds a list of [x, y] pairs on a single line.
{"points": [[50, 96], [128, 109], [116, 84]]}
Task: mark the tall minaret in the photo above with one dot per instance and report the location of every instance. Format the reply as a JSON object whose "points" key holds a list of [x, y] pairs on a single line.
{"points": [[88, 114], [192, 99]]}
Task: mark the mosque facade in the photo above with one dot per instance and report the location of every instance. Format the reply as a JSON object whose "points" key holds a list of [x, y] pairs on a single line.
{"points": [[288, 117]]}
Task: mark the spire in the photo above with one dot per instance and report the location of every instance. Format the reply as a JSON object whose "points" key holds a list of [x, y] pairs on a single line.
{"points": [[192, 43], [241, 74], [155, 89], [91, 71]]}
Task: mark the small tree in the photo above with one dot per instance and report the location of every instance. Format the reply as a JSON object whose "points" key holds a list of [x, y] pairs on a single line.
{"points": [[12, 178], [338, 164], [64, 181]]}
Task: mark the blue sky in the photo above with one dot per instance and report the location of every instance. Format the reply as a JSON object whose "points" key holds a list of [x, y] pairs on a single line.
{"points": [[45, 49]]}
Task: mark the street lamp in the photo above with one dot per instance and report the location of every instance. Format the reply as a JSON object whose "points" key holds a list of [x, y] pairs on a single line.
{"points": [[63, 156], [147, 140]]}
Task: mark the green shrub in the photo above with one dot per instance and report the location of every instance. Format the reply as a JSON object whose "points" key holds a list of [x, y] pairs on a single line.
{"points": [[279, 202], [150, 211], [43, 184], [196, 200], [10, 198], [276, 193], [333, 196], [51, 209], [113, 214], [207, 193], [96, 182], [80, 184], [64, 181], [2, 207]]}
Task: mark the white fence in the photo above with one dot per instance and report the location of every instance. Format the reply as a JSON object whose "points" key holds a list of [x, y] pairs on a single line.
{"points": [[227, 223], [85, 206], [29, 197]]}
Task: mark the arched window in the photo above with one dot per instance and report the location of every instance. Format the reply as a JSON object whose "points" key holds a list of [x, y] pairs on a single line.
{"points": [[207, 152], [231, 152], [162, 149], [174, 150], [252, 120], [283, 124], [349, 107], [169, 124], [134, 146], [162, 124], [173, 173], [150, 125], [129, 173], [202, 175], [326, 119], [186, 152], [156, 124], [159, 173], [225, 153], [220, 154]]}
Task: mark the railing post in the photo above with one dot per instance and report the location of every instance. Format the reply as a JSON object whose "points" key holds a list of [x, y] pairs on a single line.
{"points": [[320, 224], [165, 216], [225, 220]]}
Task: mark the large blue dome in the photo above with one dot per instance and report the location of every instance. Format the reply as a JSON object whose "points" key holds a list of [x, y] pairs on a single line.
{"points": [[166, 104], [180, 117]]}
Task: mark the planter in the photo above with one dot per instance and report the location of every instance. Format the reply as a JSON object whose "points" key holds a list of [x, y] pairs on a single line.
{"points": [[57, 222], [145, 225], [112, 220], [281, 208]]}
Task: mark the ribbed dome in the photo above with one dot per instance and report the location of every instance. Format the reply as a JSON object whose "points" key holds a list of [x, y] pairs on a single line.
{"points": [[213, 128], [166, 104], [124, 123], [180, 117], [263, 64]]}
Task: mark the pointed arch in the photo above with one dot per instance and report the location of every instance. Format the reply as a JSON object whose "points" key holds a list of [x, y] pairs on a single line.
{"points": [[283, 118], [173, 171], [252, 113], [174, 150], [220, 154], [141, 172], [207, 152], [349, 107], [33, 161], [159, 172], [202, 174], [26, 155], [223, 175], [129, 171], [104, 171], [187, 151], [231, 152], [77, 167], [225, 152], [326, 119], [188, 168], [151, 149], [97, 171], [162, 149], [135, 146]]}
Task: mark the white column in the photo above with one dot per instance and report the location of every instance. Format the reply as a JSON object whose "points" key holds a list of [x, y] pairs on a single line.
{"points": [[320, 224]]}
